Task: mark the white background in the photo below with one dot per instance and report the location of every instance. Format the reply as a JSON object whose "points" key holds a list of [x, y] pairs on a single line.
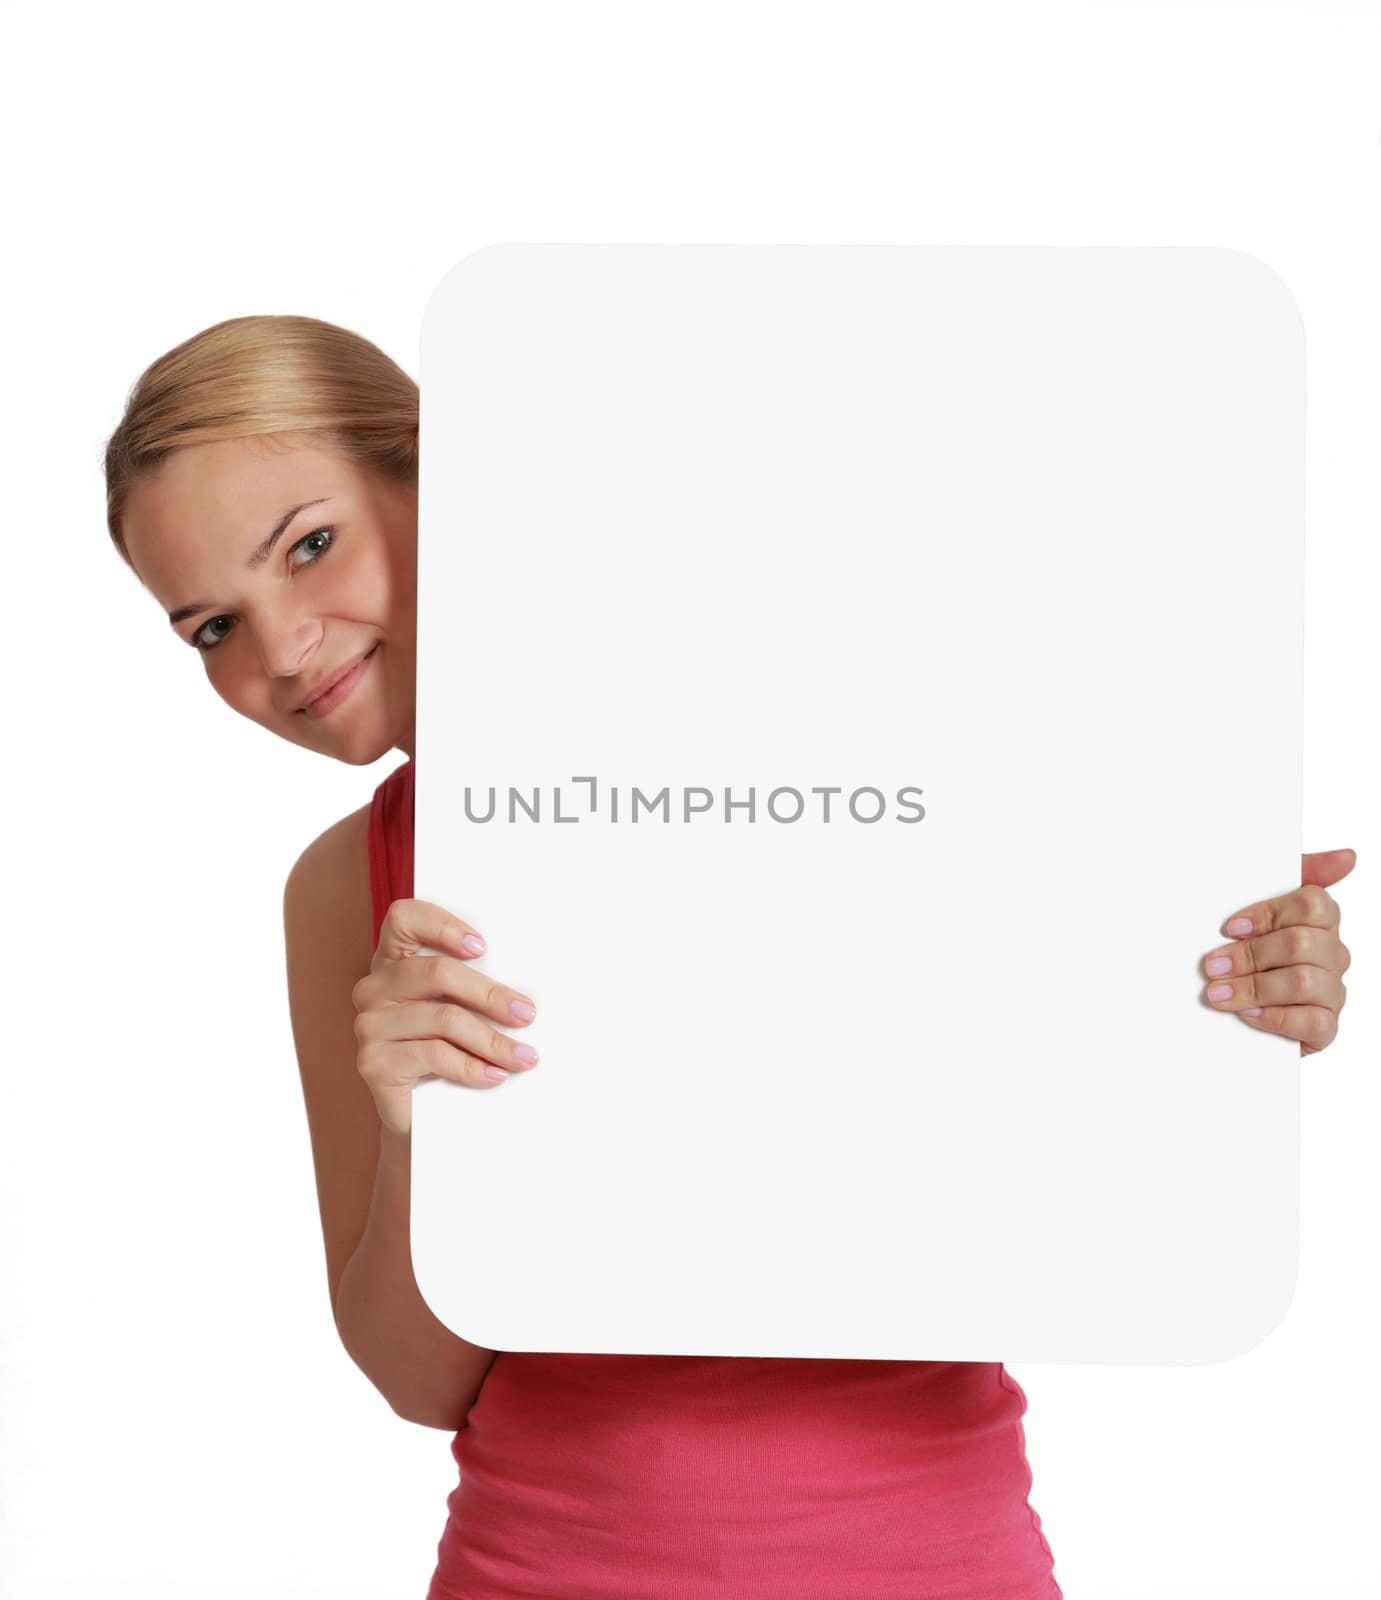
{"points": [[177, 1417]]}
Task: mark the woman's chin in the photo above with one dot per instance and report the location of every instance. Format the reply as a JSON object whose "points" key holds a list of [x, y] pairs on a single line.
{"points": [[357, 739]]}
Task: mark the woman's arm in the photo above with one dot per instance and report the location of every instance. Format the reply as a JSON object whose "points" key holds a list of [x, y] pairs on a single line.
{"points": [[428, 1374]]}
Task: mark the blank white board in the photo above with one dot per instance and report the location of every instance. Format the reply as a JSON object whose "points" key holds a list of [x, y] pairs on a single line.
{"points": [[886, 665]]}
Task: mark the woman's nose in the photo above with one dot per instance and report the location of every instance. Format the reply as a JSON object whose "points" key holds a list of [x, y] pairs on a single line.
{"points": [[285, 651]]}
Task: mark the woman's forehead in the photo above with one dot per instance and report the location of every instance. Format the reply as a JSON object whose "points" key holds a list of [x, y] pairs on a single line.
{"points": [[211, 500]]}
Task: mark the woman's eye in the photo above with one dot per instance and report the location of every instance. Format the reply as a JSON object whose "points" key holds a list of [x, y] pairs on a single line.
{"points": [[316, 533], [208, 644], [314, 552]]}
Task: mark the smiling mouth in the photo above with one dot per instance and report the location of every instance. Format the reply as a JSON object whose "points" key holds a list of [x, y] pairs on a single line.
{"points": [[324, 699]]}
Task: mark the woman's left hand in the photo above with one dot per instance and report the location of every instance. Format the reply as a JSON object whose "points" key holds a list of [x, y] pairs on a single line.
{"points": [[1284, 972]]}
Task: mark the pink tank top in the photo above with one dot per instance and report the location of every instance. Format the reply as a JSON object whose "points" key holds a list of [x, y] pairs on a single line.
{"points": [[615, 1477]]}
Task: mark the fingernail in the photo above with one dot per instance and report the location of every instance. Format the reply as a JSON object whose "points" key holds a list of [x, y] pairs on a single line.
{"points": [[495, 1074], [1217, 965], [472, 945], [526, 1054], [523, 1010], [1219, 991], [1240, 925], [1252, 1011]]}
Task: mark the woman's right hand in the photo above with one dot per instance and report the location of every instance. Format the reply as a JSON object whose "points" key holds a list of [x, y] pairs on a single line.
{"points": [[424, 1016]]}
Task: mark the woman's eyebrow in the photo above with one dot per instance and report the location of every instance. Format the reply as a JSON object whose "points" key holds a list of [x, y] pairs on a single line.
{"points": [[257, 559]]}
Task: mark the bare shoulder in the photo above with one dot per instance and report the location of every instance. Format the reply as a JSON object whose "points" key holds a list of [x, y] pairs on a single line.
{"points": [[328, 944], [335, 865]]}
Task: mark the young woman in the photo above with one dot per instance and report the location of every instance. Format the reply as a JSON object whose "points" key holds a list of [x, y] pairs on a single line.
{"points": [[262, 484]]}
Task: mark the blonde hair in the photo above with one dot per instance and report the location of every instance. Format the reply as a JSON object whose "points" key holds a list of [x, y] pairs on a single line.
{"points": [[251, 376]]}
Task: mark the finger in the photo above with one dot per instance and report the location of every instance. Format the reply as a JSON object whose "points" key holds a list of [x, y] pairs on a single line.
{"points": [[401, 1063], [1314, 1026], [1301, 985], [411, 925], [1309, 904], [1320, 947], [1326, 867], [444, 978], [440, 1019]]}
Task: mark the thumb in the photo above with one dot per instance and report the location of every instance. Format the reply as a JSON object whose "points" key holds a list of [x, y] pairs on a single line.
{"points": [[1324, 867]]}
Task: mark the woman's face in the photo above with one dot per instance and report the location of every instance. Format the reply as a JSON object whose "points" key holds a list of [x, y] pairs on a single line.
{"points": [[280, 563]]}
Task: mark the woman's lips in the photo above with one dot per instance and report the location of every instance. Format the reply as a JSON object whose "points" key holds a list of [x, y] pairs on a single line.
{"points": [[341, 690]]}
